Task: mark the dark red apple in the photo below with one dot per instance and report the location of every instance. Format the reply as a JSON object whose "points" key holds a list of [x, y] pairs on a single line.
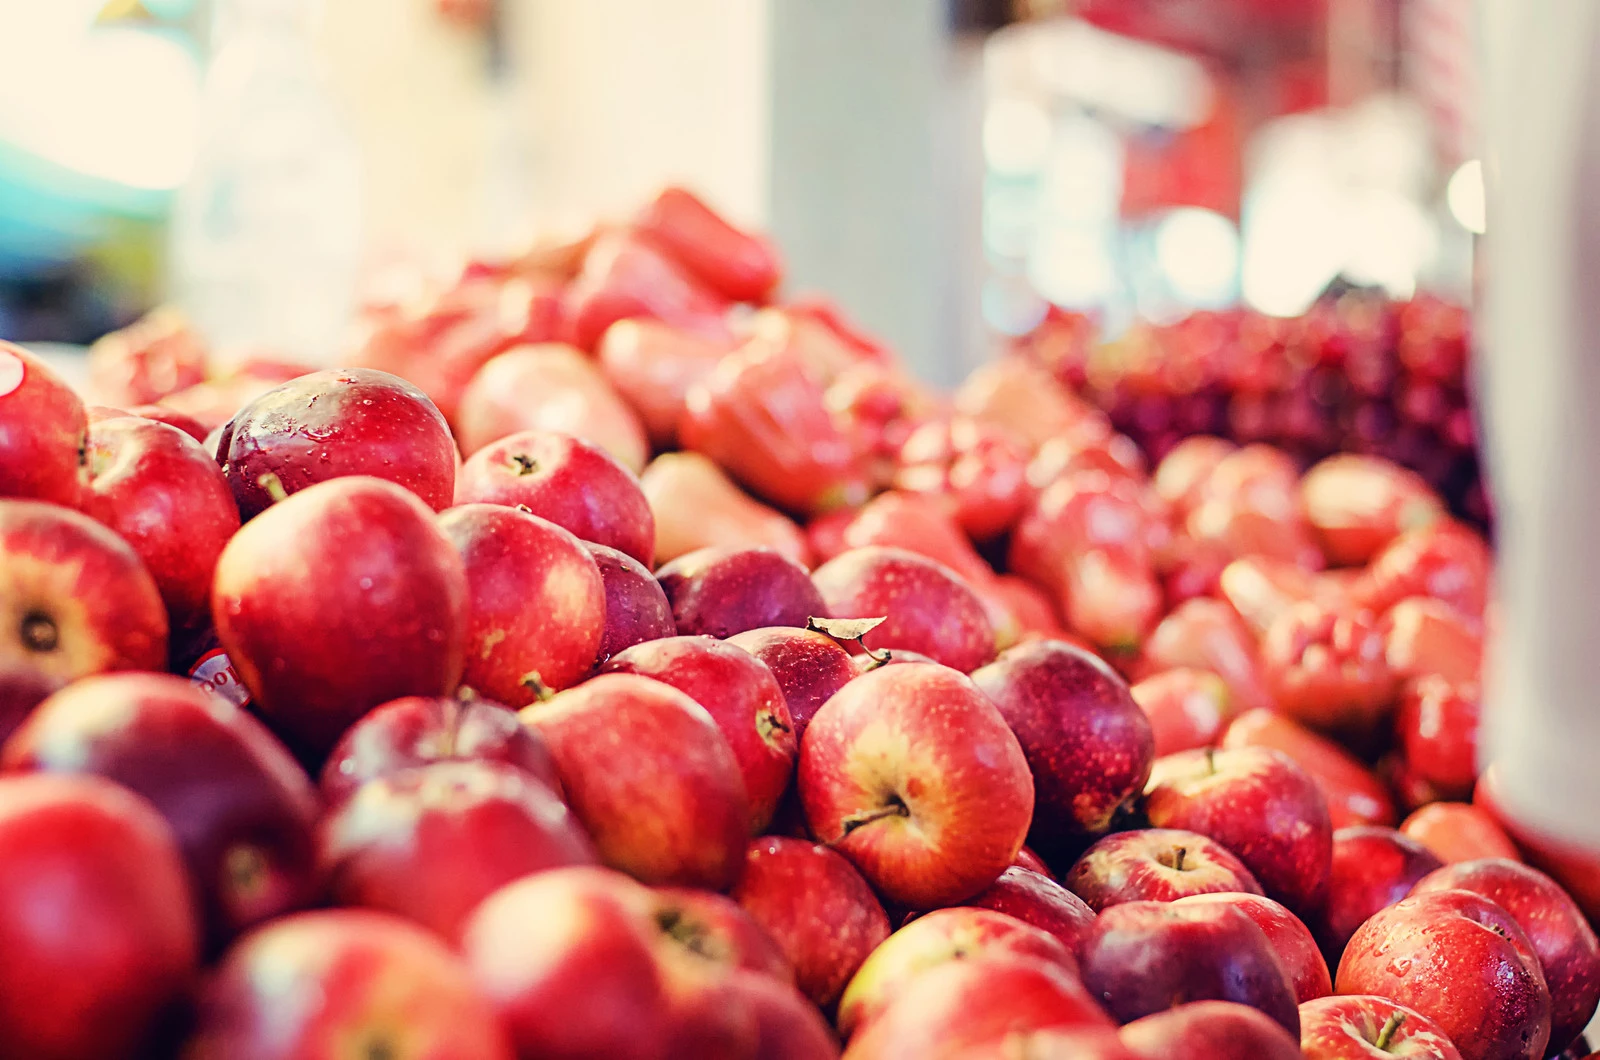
{"points": [[1258, 804], [718, 592], [1027, 859], [1367, 1027], [536, 604], [637, 609], [742, 697], [809, 666], [166, 497], [977, 1004], [74, 598], [1291, 940], [1562, 939], [1036, 899], [1144, 957], [431, 842], [927, 607], [343, 596], [421, 730], [42, 427], [241, 808], [651, 778], [98, 934], [940, 937], [1155, 865], [818, 909], [1078, 1043], [344, 983], [584, 962], [1088, 743], [350, 421], [1210, 1030], [1463, 962], [569, 481], [22, 687], [912, 774], [1373, 868]]}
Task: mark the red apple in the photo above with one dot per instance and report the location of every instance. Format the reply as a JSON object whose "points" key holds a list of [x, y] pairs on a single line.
{"points": [[241, 808], [809, 667], [1081, 1043], [1327, 667], [535, 602], [1425, 636], [351, 421], [1354, 795], [74, 598], [548, 387], [717, 592], [1030, 606], [1459, 831], [155, 355], [1367, 1027], [98, 935], [715, 925], [1437, 728], [431, 842], [341, 597], [1155, 865], [937, 938], [172, 418], [421, 730], [1088, 744], [653, 365], [625, 273], [1143, 957], [788, 1026], [1291, 940], [573, 483], [1444, 560], [1258, 804], [866, 663], [651, 777], [1036, 899], [344, 983], [697, 506], [739, 266], [912, 774], [1181, 477], [919, 524], [167, 498], [42, 428], [1463, 962], [1027, 859], [978, 470], [825, 533], [928, 609], [742, 697], [637, 608], [1210, 1030], [1187, 708], [976, 1004], [1208, 635], [1564, 942], [818, 909], [584, 962], [1358, 504], [1373, 868]]}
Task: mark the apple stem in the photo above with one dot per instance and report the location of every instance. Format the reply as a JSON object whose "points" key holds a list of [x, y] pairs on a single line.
{"points": [[533, 683], [1177, 859], [896, 808], [1211, 760], [1389, 1027], [274, 487]]}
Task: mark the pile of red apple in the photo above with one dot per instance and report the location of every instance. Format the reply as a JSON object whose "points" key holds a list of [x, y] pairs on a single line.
{"points": [[1358, 373], [624, 663]]}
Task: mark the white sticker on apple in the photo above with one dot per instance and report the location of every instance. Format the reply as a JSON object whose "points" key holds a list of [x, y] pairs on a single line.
{"points": [[11, 372]]}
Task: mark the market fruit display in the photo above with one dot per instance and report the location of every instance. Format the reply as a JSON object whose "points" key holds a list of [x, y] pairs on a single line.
{"points": [[617, 659]]}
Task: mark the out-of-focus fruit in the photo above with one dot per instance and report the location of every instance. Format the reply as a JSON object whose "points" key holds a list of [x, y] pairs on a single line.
{"points": [[739, 266], [1208, 635], [1327, 667], [1459, 831], [1437, 729], [1187, 708], [653, 365], [1358, 504], [42, 429], [1354, 795], [697, 506]]}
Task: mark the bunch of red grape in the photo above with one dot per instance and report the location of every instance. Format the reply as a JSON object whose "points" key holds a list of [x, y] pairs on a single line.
{"points": [[1358, 373]]}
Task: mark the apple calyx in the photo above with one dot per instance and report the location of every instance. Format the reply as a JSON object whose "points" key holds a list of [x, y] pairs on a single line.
{"points": [[39, 632], [522, 464], [1390, 1025], [274, 487], [854, 629], [378, 1047], [894, 808], [246, 875], [690, 934], [768, 726]]}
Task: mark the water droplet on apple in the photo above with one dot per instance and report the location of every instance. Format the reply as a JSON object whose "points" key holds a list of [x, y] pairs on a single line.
{"points": [[1400, 966], [366, 583]]}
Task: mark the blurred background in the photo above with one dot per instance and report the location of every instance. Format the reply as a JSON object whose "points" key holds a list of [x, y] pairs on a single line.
{"points": [[1250, 217]]}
